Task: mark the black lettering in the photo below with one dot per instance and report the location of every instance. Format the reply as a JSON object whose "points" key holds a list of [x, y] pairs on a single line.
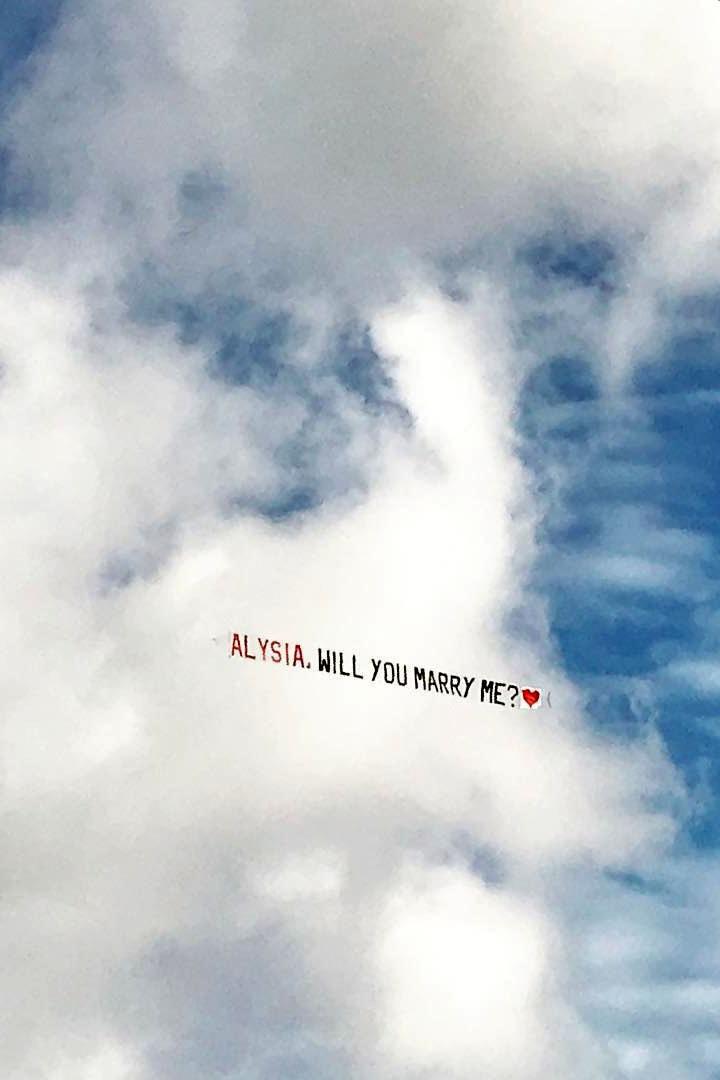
{"points": [[324, 661], [487, 687]]}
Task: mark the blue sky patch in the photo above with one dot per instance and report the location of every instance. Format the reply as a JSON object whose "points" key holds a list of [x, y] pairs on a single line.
{"points": [[629, 563], [560, 256], [25, 25]]}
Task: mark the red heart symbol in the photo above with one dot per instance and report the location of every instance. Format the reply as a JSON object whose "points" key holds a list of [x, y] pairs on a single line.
{"points": [[531, 697]]}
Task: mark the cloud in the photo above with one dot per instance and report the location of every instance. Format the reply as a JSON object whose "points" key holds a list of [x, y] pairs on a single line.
{"points": [[351, 139], [645, 972], [222, 807], [462, 968], [218, 867]]}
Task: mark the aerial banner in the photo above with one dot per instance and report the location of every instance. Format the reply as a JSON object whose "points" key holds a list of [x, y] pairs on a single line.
{"points": [[416, 677]]}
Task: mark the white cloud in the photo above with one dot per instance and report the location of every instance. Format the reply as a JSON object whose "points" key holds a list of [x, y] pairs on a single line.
{"points": [[207, 856], [355, 137], [462, 970], [192, 794]]}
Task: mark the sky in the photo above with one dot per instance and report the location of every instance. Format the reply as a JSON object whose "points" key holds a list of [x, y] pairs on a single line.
{"points": [[390, 329]]}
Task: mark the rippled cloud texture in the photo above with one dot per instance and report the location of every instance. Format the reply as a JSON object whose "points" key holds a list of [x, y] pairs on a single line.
{"points": [[275, 280]]}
